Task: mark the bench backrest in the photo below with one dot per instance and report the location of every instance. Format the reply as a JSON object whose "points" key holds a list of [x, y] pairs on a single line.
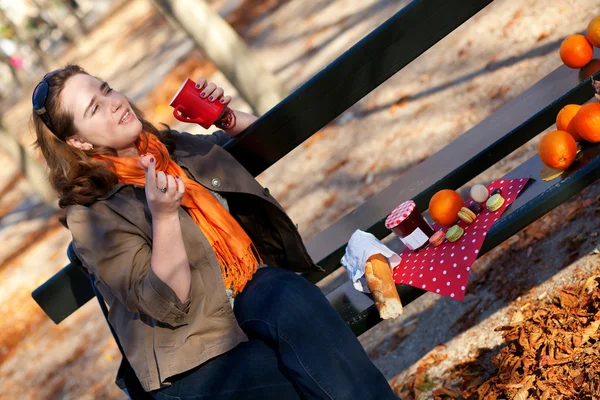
{"points": [[370, 62]]}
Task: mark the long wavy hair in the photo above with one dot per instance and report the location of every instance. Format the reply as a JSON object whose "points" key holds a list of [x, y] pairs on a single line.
{"points": [[74, 174]]}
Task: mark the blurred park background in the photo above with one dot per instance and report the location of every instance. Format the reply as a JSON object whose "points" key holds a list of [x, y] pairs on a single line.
{"points": [[260, 51]]}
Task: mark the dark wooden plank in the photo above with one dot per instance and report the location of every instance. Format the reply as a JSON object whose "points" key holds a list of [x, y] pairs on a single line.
{"points": [[538, 198], [349, 78], [69, 289], [61, 295], [462, 160]]}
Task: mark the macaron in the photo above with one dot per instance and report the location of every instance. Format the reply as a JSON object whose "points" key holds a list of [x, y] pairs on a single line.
{"points": [[454, 233], [495, 202], [437, 238], [497, 191], [479, 193], [467, 215]]}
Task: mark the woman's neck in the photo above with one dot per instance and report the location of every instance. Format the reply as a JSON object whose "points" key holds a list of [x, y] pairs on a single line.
{"points": [[130, 151]]}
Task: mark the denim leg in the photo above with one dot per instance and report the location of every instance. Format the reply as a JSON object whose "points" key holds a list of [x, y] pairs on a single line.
{"points": [[319, 351], [250, 371]]}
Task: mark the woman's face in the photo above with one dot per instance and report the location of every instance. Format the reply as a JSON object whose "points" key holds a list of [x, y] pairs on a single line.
{"points": [[102, 116]]}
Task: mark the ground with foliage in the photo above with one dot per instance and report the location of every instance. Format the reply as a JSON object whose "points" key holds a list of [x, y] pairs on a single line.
{"points": [[536, 283]]}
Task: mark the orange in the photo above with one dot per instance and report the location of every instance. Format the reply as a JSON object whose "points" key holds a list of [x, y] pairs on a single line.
{"points": [[587, 122], [557, 149], [565, 120], [444, 207], [576, 51], [593, 31], [590, 69]]}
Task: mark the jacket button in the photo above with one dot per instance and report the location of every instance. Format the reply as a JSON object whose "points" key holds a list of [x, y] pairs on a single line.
{"points": [[216, 182], [179, 319], [267, 192]]}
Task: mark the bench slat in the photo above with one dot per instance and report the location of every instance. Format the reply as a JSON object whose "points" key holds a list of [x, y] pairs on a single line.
{"points": [[537, 199], [61, 295], [456, 164], [357, 72]]}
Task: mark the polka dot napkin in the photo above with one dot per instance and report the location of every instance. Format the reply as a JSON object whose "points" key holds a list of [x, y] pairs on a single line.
{"points": [[445, 269]]}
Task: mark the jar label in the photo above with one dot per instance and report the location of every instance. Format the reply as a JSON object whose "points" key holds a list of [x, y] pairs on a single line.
{"points": [[415, 240]]}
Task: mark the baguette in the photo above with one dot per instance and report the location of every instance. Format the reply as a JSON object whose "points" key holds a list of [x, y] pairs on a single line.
{"points": [[382, 286]]}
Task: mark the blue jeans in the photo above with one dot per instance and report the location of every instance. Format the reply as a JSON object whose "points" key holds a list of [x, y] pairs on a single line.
{"points": [[299, 348]]}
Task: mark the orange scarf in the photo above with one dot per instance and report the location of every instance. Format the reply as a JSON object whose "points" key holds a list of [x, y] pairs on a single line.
{"points": [[232, 246]]}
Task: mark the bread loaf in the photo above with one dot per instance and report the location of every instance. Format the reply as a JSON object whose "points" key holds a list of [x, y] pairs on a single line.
{"points": [[382, 286]]}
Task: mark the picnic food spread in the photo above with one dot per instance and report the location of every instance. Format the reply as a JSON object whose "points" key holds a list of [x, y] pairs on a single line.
{"points": [[381, 284], [409, 225], [444, 268]]}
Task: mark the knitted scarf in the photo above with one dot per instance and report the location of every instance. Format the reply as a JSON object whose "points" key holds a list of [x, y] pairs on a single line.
{"points": [[233, 247]]}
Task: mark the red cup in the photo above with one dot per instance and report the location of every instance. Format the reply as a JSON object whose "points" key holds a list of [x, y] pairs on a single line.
{"points": [[190, 107]]}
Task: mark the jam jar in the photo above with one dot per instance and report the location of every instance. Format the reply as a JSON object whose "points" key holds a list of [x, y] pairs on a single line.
{"points": [[409, 225]]}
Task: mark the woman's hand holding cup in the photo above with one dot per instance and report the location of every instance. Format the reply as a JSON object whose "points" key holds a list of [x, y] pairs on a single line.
{"points": [[212, 92], [164, 192]]}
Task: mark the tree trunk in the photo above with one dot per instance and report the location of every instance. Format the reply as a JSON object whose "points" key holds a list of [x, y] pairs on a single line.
{"points": [[24, 38], [73, 12], [32, 169], [4, 58], [57, 23], [224, 48]]}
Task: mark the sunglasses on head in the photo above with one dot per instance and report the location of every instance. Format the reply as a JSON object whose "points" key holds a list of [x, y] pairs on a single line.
{"points": [[38, 99]]}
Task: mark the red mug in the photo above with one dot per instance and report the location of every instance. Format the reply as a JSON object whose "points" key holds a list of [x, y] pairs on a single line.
{"points": [[190, 107]]}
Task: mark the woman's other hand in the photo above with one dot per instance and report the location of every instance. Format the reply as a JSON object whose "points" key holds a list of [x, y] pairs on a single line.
{"points": [[163, 192], [212, 91]]}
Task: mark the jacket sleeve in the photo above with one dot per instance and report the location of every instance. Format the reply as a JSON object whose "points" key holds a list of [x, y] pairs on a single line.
{"points": [[217, 137], [115, 251]]}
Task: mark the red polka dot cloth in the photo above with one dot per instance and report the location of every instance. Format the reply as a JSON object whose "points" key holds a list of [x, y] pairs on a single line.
{"points": [[445, 269]]}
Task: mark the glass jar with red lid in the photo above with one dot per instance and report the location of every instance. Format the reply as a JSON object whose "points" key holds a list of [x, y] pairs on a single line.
{"points": [[407, 222]]}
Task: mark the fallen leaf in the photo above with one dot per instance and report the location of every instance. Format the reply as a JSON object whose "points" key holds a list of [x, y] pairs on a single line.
{"points": [[542, 36], [399, 104], [330, 200], [339, 164], [547, 174]]}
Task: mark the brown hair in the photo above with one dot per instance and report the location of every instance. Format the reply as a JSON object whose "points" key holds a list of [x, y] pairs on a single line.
{"points": [[74, 174]]}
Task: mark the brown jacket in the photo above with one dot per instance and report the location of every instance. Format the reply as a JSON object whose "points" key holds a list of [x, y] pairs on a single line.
{"points": [[160, 335]]}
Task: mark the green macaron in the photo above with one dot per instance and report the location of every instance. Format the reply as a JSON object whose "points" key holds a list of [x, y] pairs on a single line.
{"points": [[495, 202], [454, 233]]}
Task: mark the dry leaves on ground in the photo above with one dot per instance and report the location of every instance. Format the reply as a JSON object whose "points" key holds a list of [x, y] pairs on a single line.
{"points": [[551, 352], [411, 387]]}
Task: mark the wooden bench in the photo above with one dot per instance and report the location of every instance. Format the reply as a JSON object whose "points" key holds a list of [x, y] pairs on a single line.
{"points": [[369, 63]]}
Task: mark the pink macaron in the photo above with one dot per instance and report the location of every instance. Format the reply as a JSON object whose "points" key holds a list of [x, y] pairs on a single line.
{"points": [[437, 238]]}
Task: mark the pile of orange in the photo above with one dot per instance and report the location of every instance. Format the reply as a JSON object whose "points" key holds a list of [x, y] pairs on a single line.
{"points": [[574, 123], [557, 149], [576, 51]]}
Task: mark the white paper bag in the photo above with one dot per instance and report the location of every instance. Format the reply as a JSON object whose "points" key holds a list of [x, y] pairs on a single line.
{"points": [[361, 246]]}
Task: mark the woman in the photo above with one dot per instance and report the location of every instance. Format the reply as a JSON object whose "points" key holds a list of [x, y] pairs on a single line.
{"points": [[192, 255]]}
